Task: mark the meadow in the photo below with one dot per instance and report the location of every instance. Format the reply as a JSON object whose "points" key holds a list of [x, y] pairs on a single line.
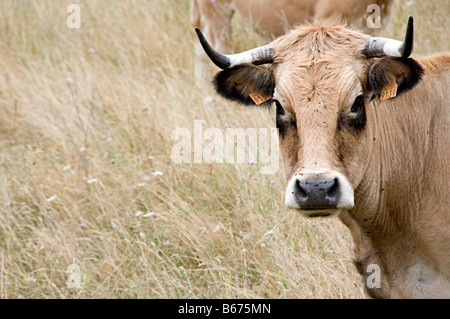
{"points": [[87, 179]]}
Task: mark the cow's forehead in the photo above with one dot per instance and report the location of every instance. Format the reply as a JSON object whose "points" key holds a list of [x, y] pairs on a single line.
{"points": [[298, 86], [319, 63]]}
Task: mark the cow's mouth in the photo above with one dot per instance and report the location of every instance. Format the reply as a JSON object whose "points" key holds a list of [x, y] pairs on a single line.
{"points": [[319, 213]]}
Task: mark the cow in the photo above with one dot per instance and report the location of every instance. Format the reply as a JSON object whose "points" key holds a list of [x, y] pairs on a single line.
{"points": [[364, 131], [273, 18]]}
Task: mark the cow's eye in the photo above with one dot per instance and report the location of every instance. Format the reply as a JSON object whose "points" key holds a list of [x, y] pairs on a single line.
{"points": [[358, 105], [280, 110], [356, 117], [284, 119]]}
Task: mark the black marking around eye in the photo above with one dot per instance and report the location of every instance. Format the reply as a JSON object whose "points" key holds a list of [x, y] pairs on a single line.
{"points": [[358, 122], [280, 110], [355, 120], [284, 120]]}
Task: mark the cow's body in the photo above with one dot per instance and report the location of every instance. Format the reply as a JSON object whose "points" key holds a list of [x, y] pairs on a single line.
{"points": [[401, 218], [273, 18], [382, 166]]}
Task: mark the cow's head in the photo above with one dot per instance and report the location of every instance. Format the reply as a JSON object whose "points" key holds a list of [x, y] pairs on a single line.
{"points": [[321, 80]]}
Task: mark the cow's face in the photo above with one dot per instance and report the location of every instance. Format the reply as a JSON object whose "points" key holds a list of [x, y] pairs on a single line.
{"points": [[321, 83], [322, 118]]}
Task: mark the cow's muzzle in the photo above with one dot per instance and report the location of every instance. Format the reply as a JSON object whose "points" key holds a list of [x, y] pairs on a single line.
{"points": [[315, 194]]}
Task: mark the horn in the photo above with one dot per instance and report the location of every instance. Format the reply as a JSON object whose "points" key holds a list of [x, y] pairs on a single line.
{"points": [[259, 55], [379, 47]]}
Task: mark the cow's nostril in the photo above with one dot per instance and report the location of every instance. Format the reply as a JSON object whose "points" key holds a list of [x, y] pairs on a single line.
{"points": [[301, 191], [333, 190]]}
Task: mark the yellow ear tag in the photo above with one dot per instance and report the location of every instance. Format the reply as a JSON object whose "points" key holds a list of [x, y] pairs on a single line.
{"points": [[259, 98], [389, 91]]}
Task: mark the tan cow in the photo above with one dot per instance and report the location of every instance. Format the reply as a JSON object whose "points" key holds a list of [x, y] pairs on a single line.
{"points": [[271, 18], [364, 131]]}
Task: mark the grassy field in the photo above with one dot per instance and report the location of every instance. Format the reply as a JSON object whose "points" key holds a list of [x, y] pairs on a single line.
{"points": [[86, 117]]}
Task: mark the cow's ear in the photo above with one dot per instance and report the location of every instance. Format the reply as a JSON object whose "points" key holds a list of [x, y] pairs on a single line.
{"points": [[406, 73], [247, 84]]}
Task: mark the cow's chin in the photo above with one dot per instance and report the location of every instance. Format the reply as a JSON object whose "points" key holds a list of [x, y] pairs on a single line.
{"points": [[319, 213]]}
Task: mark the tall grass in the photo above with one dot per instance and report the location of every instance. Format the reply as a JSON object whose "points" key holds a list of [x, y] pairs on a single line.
{"points": [[86, 117]]}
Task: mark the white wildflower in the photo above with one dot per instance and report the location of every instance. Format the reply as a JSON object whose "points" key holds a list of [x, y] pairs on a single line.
{"points": [[148, 214], [216, 229], [208, 99], [31, 279], [52, 198], [157, 173]]}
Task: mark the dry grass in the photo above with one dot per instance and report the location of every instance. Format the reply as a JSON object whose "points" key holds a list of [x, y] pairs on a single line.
{"points": [[99, 104]]}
